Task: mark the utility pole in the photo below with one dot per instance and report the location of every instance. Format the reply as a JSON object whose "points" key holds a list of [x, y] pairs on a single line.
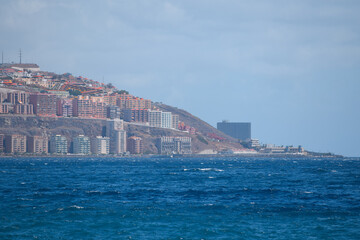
{"points": [[2, 57], [20, 55]]}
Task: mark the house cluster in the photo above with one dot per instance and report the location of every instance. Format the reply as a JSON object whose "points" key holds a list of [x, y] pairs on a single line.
{"points": [[26, 91], [115, 142], [30, 91]]}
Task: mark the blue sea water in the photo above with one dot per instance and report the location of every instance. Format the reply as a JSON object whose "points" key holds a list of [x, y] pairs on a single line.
{"points": [[179, 198]]}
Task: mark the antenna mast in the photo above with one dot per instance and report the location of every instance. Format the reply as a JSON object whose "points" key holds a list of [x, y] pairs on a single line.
{"points": [[20, 55]]}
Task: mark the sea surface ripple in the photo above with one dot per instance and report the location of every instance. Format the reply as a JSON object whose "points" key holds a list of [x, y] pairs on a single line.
{"points": [[179, 198]]}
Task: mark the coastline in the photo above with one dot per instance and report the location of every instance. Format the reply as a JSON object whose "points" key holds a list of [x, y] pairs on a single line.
{"points": [[186, 156]]}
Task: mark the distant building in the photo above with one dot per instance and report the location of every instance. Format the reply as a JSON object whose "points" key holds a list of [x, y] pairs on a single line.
{"points": [[135, 115], [100, 145], [114, 125], [118, 142], [238, 130], [2, 139], [89, 107], [174, 145], [166, 120], [254, 143], [2, 97], [64, 107], [23, 66], [24, 109], [82, 145], [58, 144], [18, 97], [38, 144], [44, 104], [113, 112], [129, 101], [4, 108], [134, 145], [154, 118], [15, 143], [175, 121], [114, 130]]}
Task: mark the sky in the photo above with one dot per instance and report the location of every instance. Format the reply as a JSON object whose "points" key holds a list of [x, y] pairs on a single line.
{"points": [[291, 68]]}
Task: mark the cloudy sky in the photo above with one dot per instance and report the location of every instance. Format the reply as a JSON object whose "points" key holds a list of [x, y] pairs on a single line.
{"points": [[291, 68]]}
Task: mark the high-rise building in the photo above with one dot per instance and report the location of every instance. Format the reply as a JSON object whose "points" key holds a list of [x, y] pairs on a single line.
{"points": [[4, 108], [134, 145], [82, 107], [15, 143], [100, 145], [2, 97], [58, 144], [24, 109], [118, 142], [175, 121], [166, 120], [114, 125], [129, 101], [154, 118], [44, 104], [2, 139], [114, 130], [113, 112], [89, 107], [64, 107], [38, 144], [238, 130], [82, 145], [174, 145], [135, 115], [18, 98]]}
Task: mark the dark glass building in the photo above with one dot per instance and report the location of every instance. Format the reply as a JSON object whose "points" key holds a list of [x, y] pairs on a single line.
{"points": [[238, 130]]}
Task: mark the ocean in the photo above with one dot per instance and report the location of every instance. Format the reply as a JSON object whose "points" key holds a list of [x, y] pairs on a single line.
{"points": [[179, 198]]}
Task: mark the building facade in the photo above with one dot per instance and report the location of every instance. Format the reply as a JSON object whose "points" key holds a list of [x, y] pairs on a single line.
{"points": [[44, 104], [58, 144], [174, 145], [38, 144], [82, 145], [135, 115], [154, 118], [64, 107], [113, 112], [2, 139], [166, 120], [15, 143], [100, 145], [134, 145], [175, 121], [238, 130]]}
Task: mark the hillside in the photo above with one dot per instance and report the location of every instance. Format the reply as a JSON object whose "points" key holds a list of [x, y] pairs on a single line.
{"points": [[201, 126]]}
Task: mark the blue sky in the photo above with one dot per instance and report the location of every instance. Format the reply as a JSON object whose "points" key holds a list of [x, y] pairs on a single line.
{"points": [[289, 67]]}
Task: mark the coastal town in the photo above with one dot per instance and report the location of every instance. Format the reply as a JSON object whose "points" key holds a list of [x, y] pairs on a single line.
{"points": [[28, 92]]}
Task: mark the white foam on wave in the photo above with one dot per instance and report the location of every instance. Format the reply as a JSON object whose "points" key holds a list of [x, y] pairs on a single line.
{"points": [[205, 169], [77, 207], [92, 191]]}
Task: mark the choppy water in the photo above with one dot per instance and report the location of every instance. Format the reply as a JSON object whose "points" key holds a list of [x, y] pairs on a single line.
{"points": [[230, 198]]}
